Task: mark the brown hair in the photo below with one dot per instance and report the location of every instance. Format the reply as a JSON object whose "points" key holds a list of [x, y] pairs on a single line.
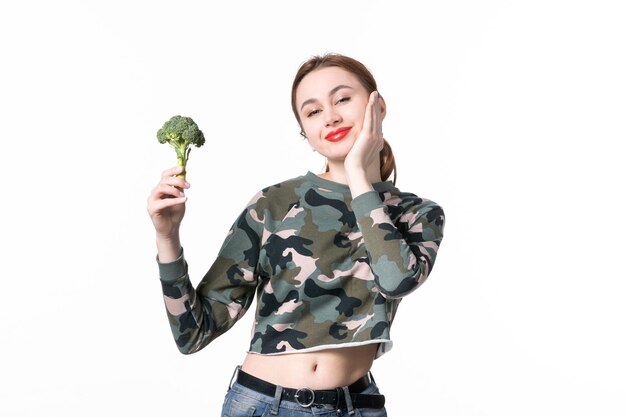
{"points": [[387, 160]]}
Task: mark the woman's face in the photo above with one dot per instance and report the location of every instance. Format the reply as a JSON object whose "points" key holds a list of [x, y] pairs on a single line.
{"points": [[331, 103]]}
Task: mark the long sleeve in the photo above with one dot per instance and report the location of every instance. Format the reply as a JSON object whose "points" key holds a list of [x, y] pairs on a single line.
{"points": [[401, 253], [198, 316]]}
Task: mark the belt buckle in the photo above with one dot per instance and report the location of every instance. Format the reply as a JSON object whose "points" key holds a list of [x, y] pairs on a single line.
{"points": [[305, 392]]}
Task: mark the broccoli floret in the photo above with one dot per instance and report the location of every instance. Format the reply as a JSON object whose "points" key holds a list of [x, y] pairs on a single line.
{"points": [[181, 132]]}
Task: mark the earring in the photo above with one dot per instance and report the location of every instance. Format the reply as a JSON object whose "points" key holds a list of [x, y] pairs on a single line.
{"points": [[303, 134]]}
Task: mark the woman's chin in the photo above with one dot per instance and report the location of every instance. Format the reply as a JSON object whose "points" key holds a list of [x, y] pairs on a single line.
{"points": [[339, 151]]}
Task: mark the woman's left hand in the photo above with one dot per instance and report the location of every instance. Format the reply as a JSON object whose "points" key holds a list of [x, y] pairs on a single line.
{"points": [[369, 143]]}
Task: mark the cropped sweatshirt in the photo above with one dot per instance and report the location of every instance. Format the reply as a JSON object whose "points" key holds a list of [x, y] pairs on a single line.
{"points": [[328, 271]]}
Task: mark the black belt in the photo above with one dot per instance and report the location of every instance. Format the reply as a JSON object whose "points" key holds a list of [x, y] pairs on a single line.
{"points": [[307, 397]]}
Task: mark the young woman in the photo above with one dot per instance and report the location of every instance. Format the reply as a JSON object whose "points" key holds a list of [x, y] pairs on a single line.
{"points": [[328, 256]]}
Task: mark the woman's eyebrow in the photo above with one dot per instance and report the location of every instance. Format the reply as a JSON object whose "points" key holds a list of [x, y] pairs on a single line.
{"points": [[330, 93]]}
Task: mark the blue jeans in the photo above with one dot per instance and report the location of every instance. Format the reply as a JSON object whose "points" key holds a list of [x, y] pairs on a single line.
{"points": [[244, 402]]}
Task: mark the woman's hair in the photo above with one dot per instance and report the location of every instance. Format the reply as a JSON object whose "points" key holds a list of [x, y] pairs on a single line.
{"points": [[387, 160]]}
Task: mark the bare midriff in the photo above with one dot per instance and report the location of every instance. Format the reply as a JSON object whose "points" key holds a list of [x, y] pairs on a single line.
{"points": [[324, 369]]}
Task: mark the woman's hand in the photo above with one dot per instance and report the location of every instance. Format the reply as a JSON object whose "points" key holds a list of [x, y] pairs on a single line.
{"points": [[362, 164], [369, 143], [166, 204]]}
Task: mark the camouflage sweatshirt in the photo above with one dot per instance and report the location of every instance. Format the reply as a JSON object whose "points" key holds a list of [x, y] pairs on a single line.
{"points": [[328, 271]]}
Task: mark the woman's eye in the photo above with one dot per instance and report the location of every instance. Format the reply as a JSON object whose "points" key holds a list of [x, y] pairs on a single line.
{"points": [[343, 100], [312, 113]]}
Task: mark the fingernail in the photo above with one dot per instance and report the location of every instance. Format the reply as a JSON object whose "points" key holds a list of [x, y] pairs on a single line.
{"points": [[187, 184]]}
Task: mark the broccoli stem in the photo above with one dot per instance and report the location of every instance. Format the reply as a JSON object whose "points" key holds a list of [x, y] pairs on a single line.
{"points": [[181, 157], [181, 163]]}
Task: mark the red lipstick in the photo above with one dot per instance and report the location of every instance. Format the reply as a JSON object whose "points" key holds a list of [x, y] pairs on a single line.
{"points": [[338, 134]]}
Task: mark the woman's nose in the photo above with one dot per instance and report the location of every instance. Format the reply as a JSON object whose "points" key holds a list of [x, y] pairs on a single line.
{"points": [[332, 117]]}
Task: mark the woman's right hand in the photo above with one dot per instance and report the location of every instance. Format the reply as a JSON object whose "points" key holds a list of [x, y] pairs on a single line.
{"points": [[166, 204]]}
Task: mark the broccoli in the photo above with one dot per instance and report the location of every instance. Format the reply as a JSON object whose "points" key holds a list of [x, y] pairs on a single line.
{"points": [[181, 132]]}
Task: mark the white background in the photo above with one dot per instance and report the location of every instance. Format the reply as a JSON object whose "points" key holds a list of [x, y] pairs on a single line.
{"points": [[509, 114]]}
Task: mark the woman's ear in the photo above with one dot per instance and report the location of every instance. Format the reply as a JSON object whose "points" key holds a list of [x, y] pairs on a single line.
{"points": [[383, 106]]}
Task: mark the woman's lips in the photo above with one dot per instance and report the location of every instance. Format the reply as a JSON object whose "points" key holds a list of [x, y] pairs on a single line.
{"points": [[338, 134]]}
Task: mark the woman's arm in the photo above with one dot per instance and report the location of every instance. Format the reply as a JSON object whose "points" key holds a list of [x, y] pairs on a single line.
{"points": [[199, 315], [401, 254]]}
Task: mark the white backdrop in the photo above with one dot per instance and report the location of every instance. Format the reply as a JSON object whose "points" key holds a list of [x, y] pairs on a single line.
{"points": [[507, 113]]}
